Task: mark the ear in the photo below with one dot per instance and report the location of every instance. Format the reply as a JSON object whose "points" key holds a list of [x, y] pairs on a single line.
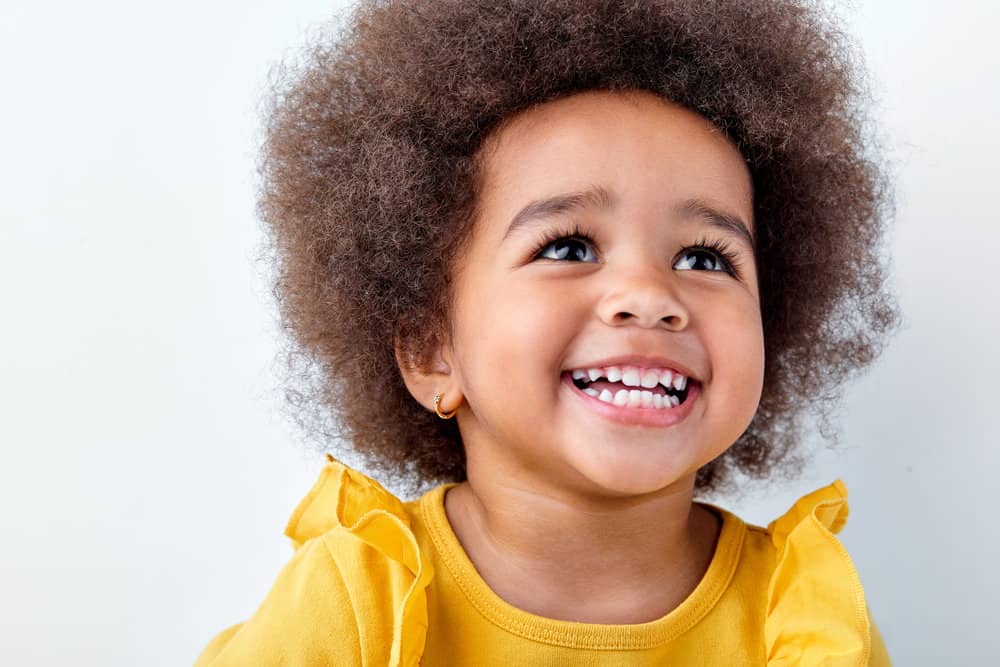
{"points": [[428, 372]]}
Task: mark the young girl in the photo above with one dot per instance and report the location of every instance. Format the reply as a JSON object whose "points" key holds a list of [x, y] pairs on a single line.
{"points": [[571, 261]]}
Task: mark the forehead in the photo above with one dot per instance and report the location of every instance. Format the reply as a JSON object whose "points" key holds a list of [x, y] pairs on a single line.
{"points": [[649, 150]]}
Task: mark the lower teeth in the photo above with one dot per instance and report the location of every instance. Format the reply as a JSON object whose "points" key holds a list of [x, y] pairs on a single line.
{"points": [[635, 398]]}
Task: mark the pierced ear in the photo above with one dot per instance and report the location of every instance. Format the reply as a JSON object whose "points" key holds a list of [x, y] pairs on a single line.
{"points": [[427, 372]]}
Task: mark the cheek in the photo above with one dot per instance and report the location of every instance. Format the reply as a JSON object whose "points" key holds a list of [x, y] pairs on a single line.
{"points": [[508, 332], [742, 352]]}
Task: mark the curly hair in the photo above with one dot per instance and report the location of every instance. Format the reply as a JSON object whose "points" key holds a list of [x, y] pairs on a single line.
{"points": [[369, 181]]}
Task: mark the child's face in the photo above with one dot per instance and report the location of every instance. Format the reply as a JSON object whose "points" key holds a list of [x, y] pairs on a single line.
{"points": [[522, 322]]}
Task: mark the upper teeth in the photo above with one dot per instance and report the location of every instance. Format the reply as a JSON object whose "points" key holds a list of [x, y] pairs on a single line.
{"points": [[631, 376]]}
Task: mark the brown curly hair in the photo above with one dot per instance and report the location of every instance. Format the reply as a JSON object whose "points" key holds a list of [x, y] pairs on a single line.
{"points": [[369, 177]]}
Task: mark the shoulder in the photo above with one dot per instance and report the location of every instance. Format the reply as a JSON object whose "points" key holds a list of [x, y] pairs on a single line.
{"points": [[353, 592], [307, 606], [814, 606]]}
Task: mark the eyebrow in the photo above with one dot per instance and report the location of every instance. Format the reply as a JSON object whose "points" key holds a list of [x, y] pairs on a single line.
{"points": [[595, 196], [599, 197], [728, 223]]}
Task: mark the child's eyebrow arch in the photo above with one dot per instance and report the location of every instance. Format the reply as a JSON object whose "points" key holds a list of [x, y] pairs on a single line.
{"points": [[599, 197], [728, 223], [595, 196]]}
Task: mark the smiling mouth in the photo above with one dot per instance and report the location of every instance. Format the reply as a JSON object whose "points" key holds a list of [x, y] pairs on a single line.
{"points": [[625, 394]]}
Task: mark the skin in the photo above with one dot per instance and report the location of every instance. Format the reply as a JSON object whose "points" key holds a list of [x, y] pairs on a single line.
{"points": [[566, 513]]}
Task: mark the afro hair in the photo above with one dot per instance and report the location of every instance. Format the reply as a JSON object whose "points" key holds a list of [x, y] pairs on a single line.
{"points": [[369, 180]]}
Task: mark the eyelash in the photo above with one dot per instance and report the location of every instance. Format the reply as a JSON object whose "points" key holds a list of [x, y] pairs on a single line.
{"points": [[718, 247]]}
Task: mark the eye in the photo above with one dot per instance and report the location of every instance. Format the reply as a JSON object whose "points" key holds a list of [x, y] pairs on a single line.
{"points": [[715, 256], [574, 247], [575, 250], [699, 258]]}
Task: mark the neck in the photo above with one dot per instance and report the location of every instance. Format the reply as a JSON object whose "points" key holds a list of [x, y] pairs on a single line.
{"points": [[586, 559]]}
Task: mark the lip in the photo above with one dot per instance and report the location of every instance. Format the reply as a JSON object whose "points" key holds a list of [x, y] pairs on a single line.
{"points": [[655, 417], [640, 361]]}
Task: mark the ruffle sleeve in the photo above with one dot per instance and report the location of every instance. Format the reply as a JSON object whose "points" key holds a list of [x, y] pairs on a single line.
{"points": [[816, 609], [380, 560]]}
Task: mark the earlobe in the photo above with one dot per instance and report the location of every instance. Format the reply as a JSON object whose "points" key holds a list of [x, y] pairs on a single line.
{"points": [[437, 408], [428, 376]]}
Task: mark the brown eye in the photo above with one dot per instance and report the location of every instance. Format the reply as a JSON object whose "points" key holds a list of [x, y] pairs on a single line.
{"points": [[701, 259], [568, 248]]}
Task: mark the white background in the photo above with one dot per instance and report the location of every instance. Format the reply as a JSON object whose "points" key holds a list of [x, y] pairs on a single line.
{"points": [[147, 473]]}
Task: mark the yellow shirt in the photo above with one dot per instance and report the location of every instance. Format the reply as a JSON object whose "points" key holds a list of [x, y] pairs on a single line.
{"points": [[376, 581]]}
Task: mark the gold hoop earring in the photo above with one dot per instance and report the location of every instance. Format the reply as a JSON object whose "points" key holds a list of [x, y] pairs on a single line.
{"points": [[437, 408]]}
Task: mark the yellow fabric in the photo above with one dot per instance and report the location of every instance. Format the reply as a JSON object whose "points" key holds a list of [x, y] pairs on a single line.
{"points": [[376, 581]]}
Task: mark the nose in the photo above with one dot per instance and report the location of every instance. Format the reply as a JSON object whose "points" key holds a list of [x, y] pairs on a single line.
{"points": [[644, 297]]}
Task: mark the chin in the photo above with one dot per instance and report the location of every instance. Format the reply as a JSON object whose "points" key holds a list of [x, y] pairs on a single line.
{"points": [[626, 475]]}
